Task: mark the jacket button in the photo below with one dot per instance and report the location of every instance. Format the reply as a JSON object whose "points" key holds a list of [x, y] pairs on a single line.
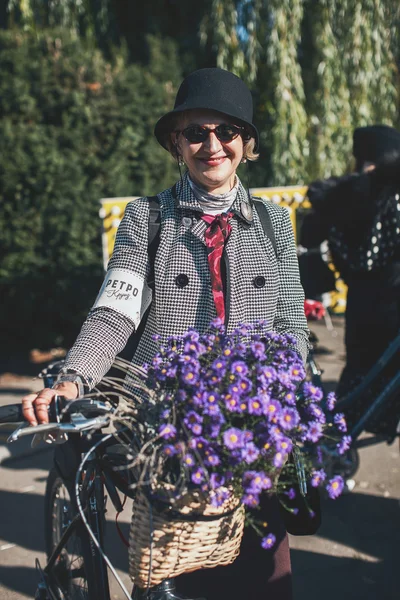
{"points": [[181, 280], [259, 281]]}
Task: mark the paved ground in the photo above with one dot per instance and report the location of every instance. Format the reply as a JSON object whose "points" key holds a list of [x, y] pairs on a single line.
{"points": [[354, 556]]}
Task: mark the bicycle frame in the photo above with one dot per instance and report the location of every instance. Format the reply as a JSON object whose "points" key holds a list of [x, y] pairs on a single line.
{"points": [[383, 398], [92, 487]]}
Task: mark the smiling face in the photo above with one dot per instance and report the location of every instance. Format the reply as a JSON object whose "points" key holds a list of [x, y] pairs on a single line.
{"points": [[212, 164]]}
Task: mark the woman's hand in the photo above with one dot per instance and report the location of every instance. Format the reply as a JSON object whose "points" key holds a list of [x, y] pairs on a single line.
{"points": [[35, 406]]}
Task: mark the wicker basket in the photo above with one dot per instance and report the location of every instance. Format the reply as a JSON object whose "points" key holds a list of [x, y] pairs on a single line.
{"points": [[195, 535]]}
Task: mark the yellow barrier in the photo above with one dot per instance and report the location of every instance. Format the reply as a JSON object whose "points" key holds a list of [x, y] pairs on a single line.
{"points": [[293, 198]]}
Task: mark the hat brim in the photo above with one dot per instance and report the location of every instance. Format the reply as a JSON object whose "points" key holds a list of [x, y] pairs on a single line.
{"points": [[163, 126]]}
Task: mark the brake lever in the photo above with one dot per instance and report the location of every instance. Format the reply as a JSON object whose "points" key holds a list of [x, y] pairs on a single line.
{"points": [[78, 423], [26, 429]]}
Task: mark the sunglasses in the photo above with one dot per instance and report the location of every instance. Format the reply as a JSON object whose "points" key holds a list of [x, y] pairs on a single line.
{"points": [[197, 134]]}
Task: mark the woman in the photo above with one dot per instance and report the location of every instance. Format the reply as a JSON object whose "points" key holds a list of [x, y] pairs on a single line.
{"points": [[213, 259]]}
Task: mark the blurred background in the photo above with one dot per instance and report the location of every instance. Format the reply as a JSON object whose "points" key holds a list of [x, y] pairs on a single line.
{"points": [[82, 83]]}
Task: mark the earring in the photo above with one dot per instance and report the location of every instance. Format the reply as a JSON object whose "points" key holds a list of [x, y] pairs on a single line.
{"points": [[244, 160], [181, 162]]}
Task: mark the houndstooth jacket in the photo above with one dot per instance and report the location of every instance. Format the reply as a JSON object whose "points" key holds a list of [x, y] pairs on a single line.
{"points": [[261, 283]]}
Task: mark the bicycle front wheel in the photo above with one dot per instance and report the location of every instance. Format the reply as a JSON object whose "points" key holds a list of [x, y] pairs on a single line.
{"points": [[70, 575]]}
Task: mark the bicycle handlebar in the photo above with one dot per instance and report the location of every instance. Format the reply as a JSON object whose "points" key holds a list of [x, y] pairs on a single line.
{"points": [[83, 414], [12, 413]]}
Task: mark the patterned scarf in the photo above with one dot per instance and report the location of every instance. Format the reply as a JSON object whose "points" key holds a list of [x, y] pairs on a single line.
{"points": [[215, 235]]}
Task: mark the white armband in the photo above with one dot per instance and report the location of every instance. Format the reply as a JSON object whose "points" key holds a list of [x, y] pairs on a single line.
{"points": [[126, 293]]}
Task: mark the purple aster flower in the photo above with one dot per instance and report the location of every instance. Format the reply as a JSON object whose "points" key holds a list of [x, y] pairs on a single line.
{"points": [[335, 487], [275, 433], [256, 481], [216, 481], [198, 476], [233, 438], [197, 429], [165, 413], [291, 493], [227, 352], [171, 371], [245, 385], [193, 347], [318, 477], [192, 419], [234, 389], [188, 460], [248, 484], [272, 409], [279, 460], [344, 444], [219, 496], [214, 429], [255, 406], [266, 375], [181, 396], [290, 398], [232, 403], [313, 432], [217, 324], [219, 366], [266, 445], [212, 459], [297, 372], [289, 418], [240, 349], [235, 457], [212, 409], [198, 443], [316, 412], [284, 444], [210, 398], [250, 500], [266, 483], [312, 392], [278, 358], [268, 541], [340, 422], [247, 435], [189, 374], [250, 452], [331, 401], [258, 350], [238, 367], [167, 431], [289, 339], [169, 450]]}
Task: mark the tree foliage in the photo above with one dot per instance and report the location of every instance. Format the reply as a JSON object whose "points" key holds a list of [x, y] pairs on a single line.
{"points": [[78, 107], [74, 128]]}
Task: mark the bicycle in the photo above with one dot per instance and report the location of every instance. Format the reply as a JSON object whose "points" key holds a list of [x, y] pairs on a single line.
{"points": [[89, 465], [348, 464]]}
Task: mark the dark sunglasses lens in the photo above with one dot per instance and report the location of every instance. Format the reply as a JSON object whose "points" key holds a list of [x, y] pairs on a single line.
{"points": [[227, 133], [195, 134]]}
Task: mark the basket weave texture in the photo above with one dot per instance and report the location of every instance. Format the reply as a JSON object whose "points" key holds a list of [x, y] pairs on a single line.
{"points": [[182, 546]]}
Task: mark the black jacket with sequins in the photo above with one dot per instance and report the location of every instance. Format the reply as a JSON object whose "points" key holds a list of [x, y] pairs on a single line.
{"points": [[359, 215]]}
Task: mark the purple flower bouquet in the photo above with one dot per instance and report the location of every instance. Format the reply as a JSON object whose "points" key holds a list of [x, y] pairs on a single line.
{"points": [[223, 414]]}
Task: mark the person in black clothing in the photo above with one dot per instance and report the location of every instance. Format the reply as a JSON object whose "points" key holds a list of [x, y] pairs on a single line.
{"points": [[359, 215]]}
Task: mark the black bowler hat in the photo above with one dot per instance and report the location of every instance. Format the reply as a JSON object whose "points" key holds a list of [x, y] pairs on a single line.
{"points": [[372, 143], [212, 89]]}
